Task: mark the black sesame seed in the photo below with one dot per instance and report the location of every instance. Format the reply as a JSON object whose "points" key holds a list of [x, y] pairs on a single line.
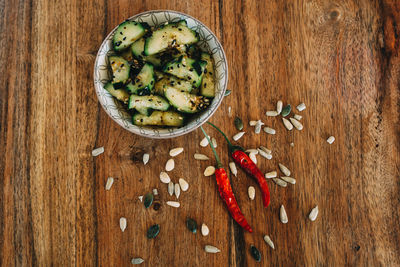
{"points": [[210, 73], [189, 78], [191, 69], [120, 33], [183, 65], [178, 66], [152, 82], [122, 65], [112, 62], [179, 83], [205, 70], [180, 29], [150, 100], [205, 85], [141, 120], [124, 38]]}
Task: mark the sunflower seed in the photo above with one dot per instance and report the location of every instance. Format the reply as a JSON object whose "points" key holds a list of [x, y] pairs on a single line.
{"points": [[252, 123], [287, 124], [292, 144], [174, 204], [184, 185], [301, 107], [284, 169], [170, 165], [170, 188], [253, 158], [210, 170], [268, 240], [268, 151], [296, 124], [238, 135], [146, 158], [279, 106], [252, 150], [137, 261], [227, 92], [164, 177], [272, 174], [109, 183], [272, 113], [264, 154], [269, 130], [200, 157], [122, 223], [175, 151], [288, 179], [252, 192], [331, 139], [255, 253], [279, 182], [214, 142], [177, 191], [313, 214], [97, 151], [191, 225], [259, 123], [204, 142], [153, 231], [238, 123], [286, 110], [148, 200], [283, 215], [297, 117], [155, 192], [229, 111], [204, 230], [232, 166], [140, 198], [211, 249]]}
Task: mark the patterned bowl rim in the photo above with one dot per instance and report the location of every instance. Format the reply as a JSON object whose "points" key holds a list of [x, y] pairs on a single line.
{"points": [[136, 129]]}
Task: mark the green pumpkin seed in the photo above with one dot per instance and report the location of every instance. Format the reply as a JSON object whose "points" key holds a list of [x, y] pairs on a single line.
{"points": [[286, 110], [227, 92], [255, 253], [153, 231], [148, 200], [191, 225], [238, 123]]}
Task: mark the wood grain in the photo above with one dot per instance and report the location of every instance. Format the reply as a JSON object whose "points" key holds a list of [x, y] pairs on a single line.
{"points": [[339, 57]]}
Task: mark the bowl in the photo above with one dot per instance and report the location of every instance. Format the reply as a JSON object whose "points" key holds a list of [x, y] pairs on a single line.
{"points": [[208, 42]]}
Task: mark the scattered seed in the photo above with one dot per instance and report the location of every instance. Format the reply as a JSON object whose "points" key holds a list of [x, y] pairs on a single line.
{"points": [[146, 158], [269, 130], [279, 106], [97, 151], [284, 169], [259, 124], [210, 170], [153, 231], [252, 123], [301, 107], [164, 177], [331, 139], [233, 168], [148, 200], [140, 198], [170, 188], [289, 179], [191, 225], [279, 182], [184, 185], [214, 142], [287, 124], [286, 110], [175, 151], [272, 174], [201, 156], [137, 261], [122, 223], [253, 158], [252, 150], [174, 204], [296, 124], [229, 111], [292, 144], [297, 117], [252, 192], [264, 154], [204, 230], [238, 123], [204, 142], [238, 135], [109, 183], [272, 113], [313, 214], [177, 191], [170, 165], [266, 150], [227, 92], [255, 253], [268, 240], [211, 249], [283, 215], [155, 192]]}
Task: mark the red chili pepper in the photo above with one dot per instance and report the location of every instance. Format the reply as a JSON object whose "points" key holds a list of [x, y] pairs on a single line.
{"points": [[244, 161], [225, 191]]}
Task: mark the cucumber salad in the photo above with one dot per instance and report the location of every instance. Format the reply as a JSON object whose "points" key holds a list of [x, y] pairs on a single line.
{"points": [[160, 74]]}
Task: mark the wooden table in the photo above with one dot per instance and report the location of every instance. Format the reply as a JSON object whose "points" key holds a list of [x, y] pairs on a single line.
{"points": [[341, 58]]}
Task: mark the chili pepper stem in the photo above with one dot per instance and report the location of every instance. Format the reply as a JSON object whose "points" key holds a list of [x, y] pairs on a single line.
{"points": [[219, 164], [231, 147]]}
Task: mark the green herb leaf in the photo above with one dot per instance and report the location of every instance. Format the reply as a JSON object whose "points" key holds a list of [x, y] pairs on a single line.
{"points": [[286, 110]]}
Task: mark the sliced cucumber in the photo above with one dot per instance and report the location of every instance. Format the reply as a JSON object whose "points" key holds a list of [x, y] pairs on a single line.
{"points": [[120, 69], [207, 87], [126, 33], [159, 118], [126, 54], [143, 83], [187, 69], [169, 80], [119, 94], [143, 104], [137, 49], [168, 36], [186, 102]]}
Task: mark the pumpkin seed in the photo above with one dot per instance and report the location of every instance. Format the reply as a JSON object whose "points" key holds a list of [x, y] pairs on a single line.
{"points": [[233, 168], [279, 105], [170, 165], [211, 249], [153, 231], [210, 170], [164, 178], [177, 191], [272, 174], [257, 130], [170, 188], [200, 157], [289, 179], [301, 107], [252, 123], [296, 124], [175, 151], [191, 225], [268, 240], [97, 151], [330, 140], [148, 200], [313, 214], [146, 158], [279, 182], [109, 183], [238, 135], [204, 230], [204, 142], [283, 215], [214, 142], [286, 110], [255, 253], [297, 117], [137, 261], [252, 192], [253, 158], [238, 123], [122, 223], [272, 113], [184, 185], [284, 169], [287, 124], [269, 130], [227, 92], [174, 204]]}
